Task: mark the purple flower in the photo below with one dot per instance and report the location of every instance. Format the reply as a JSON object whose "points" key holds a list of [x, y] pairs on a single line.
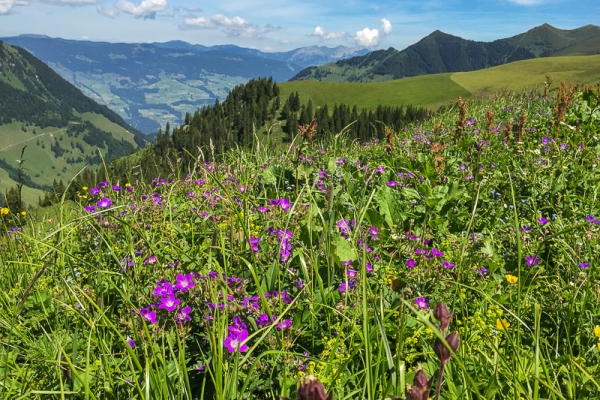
{"points": [[105, 203], [391, 183], [437, 253], [116, 188], [343, 286], [94, 191], [163, 288], [254, 243], [103, 184], [347, 263], [592, 220], [150, 260], [374, 232], [262, 320], [184, 282], [584, 265], [525, 228], [344, 226], [448, 265], [422, 303], [283, 325], [184, 314], [481, 271], [341, 160], [351, 273], [410, 263], [532, 260], [542, 221], [169, 303], [130, 342], [369, 268], [237, 336], [90, 208], [148, 315]]}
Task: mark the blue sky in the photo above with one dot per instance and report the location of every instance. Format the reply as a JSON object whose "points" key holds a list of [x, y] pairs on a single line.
{"points": [[288, 24]]}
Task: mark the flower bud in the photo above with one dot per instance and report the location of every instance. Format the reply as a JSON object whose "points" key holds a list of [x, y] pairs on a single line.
{"points": [[453, 340], [310, 388], [420, 388], [442, 314]]}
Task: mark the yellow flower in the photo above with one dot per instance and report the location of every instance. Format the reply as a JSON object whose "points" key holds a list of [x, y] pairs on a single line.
{"points": [[4, 211], [84, 188], [597, 331], [511, 279], [128, 185], [502, 324], [23, 213]]}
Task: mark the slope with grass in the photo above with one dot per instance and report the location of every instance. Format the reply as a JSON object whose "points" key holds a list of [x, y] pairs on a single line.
{"points": [[63, 130], [440, 52], [438, 89], [330, 259]]}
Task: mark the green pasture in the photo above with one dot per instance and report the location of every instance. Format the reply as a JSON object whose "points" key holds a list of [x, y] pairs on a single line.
{"points": [[438, 89]]}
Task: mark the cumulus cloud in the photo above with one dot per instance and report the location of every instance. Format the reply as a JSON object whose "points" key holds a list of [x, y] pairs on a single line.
{"points": [[371, 37], [235, 26], [146, 10], [7, 5], [320, 32]]}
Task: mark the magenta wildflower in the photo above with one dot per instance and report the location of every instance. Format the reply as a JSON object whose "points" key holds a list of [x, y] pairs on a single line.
{"points": [[90, 208], [169, 303], [94, 191], [422, 303], [448, 265], [410, 263], [184, 282], [349, 286], [347, 263], [184, 314], [481, 271], [148, 315], [150, 260], [262, 320], [584, 265], [341, 160], [283, 325], [525, 228], [351, 273], [237, 336], [532, 260], [391, 183], [105, 203], [542, 221], [130, 342], [116, 188], [254, 244], [163, 288]]}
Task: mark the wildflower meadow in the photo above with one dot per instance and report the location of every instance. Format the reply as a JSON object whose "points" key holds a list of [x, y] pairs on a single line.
{"points": [[326, 259]]}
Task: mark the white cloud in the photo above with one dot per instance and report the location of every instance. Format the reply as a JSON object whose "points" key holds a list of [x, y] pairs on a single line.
{"points": [[386, 26], [320, 32], [6, 6], [146, 10], [367, 37], [371, 37], [526, 2], [236, 26]]}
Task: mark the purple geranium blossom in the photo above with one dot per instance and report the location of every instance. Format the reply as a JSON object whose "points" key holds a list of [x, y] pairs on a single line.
{"points": [[163, 288], [116, 188], [341, 160], [184, 314], [422, 302], [351, 273], [184, 282], [283, 325], [90, 208], [410, 263], [105, 203], [481, 271], [349, 286], [532, 260], [148, 315], [448, 265], [130, 342], [542, 221], [103, 184], [254, 244], [150, 260], [169, 303], [347, 263], [236, 341], [525, 228], [262, 320], [94, 191], [391, 183], [584, 265]]}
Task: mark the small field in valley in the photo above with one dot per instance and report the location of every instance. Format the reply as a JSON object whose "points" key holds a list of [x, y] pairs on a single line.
{"points": [[330, 259]]}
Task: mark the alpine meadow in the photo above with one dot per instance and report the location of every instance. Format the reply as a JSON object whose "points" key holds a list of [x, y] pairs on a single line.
{"points": [[386, 225]]}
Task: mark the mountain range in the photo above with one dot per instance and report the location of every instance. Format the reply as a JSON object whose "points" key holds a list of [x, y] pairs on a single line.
{"points": [[440, 52], [154, 83]]}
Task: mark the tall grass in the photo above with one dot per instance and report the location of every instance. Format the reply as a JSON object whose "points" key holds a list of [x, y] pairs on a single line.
{"points": [[358, 241]]}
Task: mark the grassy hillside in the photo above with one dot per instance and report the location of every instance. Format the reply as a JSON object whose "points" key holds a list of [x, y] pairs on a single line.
{"points": [[435, 90], [440, 52]]}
